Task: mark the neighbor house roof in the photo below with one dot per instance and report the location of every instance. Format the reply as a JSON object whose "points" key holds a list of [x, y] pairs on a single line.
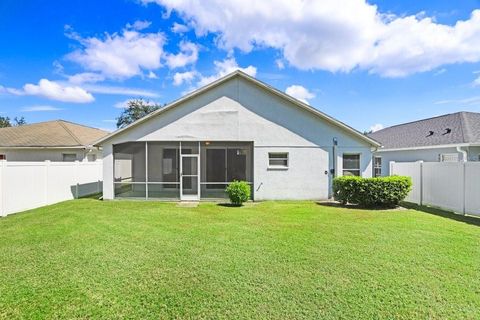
{"points": [[461, 128], [268, 88], [49, 134]]}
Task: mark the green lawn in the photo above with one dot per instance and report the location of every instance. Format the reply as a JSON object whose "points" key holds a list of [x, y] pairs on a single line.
{"points": [[151, 260]]}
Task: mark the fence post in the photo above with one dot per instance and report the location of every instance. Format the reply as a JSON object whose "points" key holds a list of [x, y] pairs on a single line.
{"points": [[421, 182], [2, 188], [77, 177], [46, 175], [464, 186]]}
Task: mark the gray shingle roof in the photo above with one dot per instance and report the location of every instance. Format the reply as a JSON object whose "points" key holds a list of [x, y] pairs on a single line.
{"points": [[57, 133], [464, 128]]}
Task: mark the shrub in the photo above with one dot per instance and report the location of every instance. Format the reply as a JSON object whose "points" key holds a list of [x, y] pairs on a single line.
{"points": [[238, 192], [371, 192]]}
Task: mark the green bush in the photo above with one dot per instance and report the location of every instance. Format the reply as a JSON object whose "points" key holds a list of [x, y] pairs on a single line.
{"points": [[371, 192], [238, 192]]}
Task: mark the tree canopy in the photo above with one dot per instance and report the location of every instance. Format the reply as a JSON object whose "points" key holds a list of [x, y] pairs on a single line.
{"points": [[5, 122], [136, 109]]}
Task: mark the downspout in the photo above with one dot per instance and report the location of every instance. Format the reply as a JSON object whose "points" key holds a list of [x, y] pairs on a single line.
{"points": [[464, 153]]}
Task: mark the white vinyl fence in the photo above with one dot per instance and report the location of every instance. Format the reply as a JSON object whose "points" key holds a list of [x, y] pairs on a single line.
{"points": [[28, 185], [452, 186]]}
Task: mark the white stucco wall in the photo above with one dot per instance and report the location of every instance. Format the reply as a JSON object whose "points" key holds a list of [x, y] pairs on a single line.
{"points": [[238, 110], [46, 154], [426, 155]]}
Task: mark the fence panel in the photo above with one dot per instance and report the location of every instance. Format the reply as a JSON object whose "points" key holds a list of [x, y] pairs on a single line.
{"points": [[453, 186], [28, 185], [413, 170], [472, 188], [443, 185]]}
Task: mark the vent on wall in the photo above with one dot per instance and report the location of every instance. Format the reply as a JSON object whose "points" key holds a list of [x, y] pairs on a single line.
{"points": [[447, 131], [430, 133]]}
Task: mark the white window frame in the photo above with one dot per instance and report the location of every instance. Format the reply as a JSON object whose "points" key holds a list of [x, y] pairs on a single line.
{"points": [[446, 156], [359, 163], [69, 154], [377, 167], [279, 167]]}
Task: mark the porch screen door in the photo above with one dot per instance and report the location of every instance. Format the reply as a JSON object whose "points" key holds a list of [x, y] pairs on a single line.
{"points": [[189, 179]]}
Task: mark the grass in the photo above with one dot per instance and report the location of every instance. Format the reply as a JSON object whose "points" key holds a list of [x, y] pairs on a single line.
{"points": [[149, 260]]}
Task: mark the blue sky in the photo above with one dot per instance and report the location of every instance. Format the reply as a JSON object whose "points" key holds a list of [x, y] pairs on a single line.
{"points": [[365, 63]]}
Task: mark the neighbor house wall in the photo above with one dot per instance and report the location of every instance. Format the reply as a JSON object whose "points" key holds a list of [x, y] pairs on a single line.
{"points": [[426, 155], [237, 110], [46, 154]]}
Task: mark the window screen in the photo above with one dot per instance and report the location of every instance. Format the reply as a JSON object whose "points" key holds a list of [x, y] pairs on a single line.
{"points": [[69, 157], [351, 164], [377, 166], [278, 159]]}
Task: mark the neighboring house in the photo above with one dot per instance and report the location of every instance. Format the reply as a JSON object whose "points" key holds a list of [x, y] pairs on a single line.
{"points": [[236, 128], [448, 138], [57, 140]]}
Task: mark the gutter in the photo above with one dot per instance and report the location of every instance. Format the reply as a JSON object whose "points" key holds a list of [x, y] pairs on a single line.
{"points": [[429, 147], [464, 153]]}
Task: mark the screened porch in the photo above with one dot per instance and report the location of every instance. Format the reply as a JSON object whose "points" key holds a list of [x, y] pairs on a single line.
{"points": [[180, 170]]}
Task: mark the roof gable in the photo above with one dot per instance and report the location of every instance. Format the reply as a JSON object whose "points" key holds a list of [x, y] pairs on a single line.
{"points": [[257, 83]]}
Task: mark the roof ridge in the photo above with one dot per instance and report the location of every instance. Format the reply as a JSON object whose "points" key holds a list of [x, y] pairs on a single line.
{"points": [[60, 122], [79, 124]]}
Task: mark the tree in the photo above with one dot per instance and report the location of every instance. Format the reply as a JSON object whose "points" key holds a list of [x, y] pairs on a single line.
{"points": [[136, 109], [5, 122], [19, 121]]}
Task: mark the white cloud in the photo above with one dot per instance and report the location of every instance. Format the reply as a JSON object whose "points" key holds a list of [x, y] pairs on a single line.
{"points": [[84, 77], [184, 77], [188, 55], [280, 64], [465, 102], [53, 90], [299, 92], [222, 68], [139, 25], [125, 91], [119, 55], [152, 75], [476, 82], [40, 108], [179, 28], [376, 127], [334, 35]]}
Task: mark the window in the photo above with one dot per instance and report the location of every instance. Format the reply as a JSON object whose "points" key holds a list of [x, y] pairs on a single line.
{"points": [[449, 157], [69, 157], [278, 160], [3, 157], [91, 157], [351, 164], [377, 166]]}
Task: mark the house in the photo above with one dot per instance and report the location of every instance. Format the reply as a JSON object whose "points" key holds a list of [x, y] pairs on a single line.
{"points": [[451, 137], [57, 140], [236, 128]]}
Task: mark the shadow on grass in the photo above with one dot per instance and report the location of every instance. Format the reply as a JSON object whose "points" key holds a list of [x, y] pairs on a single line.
{"points": [[335, 204], [442, 213], [229, 205]]}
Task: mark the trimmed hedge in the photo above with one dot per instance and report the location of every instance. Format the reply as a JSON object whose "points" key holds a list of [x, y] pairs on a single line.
{"points": [[371, 192], [238, 192]]}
